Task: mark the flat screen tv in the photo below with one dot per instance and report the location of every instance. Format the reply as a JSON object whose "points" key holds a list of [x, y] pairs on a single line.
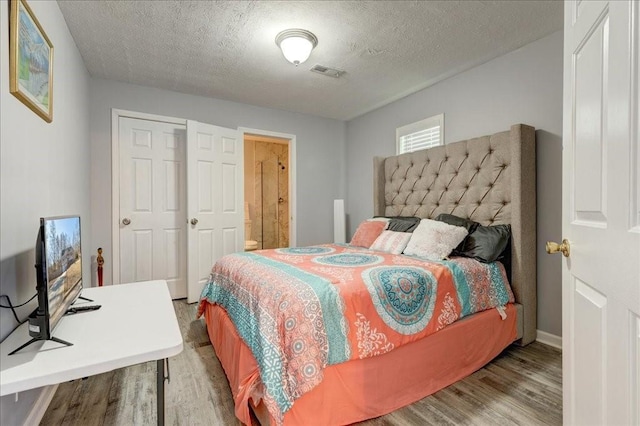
{"points": [[58, 274]]}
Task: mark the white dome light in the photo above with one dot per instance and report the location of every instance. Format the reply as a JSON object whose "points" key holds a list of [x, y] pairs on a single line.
{"points": [[296, 45]]}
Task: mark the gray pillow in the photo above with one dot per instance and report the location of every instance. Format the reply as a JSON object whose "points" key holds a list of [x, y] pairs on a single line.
{"points": [[403, 224], [484, 243], [469, 224]]}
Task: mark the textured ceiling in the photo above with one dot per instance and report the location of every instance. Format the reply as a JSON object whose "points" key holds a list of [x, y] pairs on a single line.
{"points": [[226, 49]]}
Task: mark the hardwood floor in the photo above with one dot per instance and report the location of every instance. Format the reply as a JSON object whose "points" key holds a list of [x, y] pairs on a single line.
{"points": [[521, 386]]}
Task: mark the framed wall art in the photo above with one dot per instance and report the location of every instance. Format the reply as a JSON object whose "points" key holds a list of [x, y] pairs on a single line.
{"points": [[30, 61]]}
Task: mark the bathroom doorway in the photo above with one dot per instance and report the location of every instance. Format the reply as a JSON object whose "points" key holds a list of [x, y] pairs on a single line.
{"points": [[267, 182]]}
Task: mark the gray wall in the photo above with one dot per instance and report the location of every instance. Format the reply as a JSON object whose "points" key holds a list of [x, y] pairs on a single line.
{"points": [[320, 145], [44, 171], [523, 86]]}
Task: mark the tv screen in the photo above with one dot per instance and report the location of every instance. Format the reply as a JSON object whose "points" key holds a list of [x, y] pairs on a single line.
{"points": [[58, 274], [62, 264]]}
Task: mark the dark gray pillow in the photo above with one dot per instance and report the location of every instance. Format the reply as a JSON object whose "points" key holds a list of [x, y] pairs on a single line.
{"points": [[469, 224], [403, 224], [486, 243]]}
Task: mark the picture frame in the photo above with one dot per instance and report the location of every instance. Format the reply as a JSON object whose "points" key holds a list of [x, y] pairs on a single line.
{"points": [[30, 61]]}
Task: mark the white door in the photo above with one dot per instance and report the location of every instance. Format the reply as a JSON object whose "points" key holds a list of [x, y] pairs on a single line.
{"points": [[601, 216], [215, 200], [153, 216]]}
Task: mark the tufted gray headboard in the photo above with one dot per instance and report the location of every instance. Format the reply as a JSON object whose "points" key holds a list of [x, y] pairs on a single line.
{"points": [[490, 179]]}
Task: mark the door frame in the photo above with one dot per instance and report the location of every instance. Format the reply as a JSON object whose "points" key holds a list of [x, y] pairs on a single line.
{"points": [[116, 114], [245, 131]]}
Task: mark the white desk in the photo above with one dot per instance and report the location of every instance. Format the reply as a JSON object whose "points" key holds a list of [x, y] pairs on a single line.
{"points": [[136, 324]]}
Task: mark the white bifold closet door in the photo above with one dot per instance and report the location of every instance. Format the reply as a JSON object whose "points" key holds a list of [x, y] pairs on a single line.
{"points": [[215, 195], [180, 202]]}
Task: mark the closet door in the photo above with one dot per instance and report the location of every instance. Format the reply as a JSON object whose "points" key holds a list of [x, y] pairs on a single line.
{"points": [[215, 200], [152, 195]]}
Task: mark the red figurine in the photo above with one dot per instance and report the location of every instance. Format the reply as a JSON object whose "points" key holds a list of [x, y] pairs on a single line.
{"points": [[100, 261]]}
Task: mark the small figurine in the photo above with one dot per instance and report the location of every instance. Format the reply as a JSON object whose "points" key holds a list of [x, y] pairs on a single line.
{"points": [[100, 261]]}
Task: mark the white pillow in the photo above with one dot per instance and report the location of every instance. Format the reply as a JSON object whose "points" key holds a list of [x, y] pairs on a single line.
{"points": [[434, 240], [391, 242]]}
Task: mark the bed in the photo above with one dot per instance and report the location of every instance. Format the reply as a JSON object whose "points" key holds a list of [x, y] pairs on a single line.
{"points": [[490, 180]]}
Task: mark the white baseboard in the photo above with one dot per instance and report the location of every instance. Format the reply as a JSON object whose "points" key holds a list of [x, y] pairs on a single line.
{"points": [[549, 339], [41, 405]]}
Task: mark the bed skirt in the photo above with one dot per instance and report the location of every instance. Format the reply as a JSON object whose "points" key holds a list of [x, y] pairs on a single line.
{"points": [[362, 389]]}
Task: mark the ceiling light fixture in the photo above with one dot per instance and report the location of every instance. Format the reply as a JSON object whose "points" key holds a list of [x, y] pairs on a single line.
{"points": [[296, 44]]}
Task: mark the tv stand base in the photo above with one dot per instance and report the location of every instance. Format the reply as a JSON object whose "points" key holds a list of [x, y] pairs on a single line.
{"points": [[55, 339]]}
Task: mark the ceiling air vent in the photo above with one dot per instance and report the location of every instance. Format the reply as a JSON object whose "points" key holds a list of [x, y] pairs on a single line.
{"points": [[331, 72]]}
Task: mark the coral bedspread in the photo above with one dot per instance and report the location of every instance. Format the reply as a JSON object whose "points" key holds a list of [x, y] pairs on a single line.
{"points": [[301, 309]]}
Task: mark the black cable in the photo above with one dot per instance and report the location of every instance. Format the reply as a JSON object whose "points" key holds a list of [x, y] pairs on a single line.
{"points": [[16, 306], [12, 307]]}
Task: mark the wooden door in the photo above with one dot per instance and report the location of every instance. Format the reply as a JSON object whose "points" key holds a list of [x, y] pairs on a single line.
{"points": [[152, 192], [601, 216], [215, 200]]}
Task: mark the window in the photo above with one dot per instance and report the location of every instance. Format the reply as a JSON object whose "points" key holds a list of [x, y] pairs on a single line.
{"points": [[423, 134]]}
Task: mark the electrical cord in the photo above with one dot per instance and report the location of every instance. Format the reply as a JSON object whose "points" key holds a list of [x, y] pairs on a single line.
{"points": [[12, 307]]}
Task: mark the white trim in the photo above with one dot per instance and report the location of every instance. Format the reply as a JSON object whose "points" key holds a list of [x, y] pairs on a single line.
{"points": [[116, 114], [150, 117], [549, 339], [292, 175], [40, 406]]}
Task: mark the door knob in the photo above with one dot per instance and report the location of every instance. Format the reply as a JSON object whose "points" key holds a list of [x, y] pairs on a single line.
{"points": [[126, 221], [564, 248], [194, 221]]}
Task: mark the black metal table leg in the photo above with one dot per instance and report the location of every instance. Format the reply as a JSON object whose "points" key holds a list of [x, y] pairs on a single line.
{"points": [[160, 394]]}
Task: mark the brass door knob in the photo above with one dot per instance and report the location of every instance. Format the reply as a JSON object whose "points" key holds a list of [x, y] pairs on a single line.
{"points": [[564, 248], [194, 221], [126, 221]]}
